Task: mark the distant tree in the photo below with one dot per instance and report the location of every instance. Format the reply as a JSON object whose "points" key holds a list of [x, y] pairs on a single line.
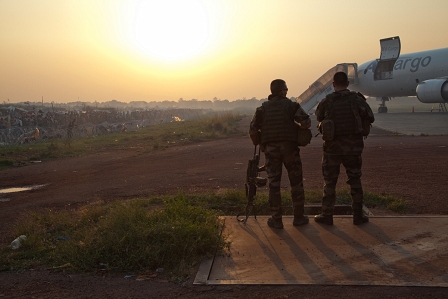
{"points": [[207, 104]]}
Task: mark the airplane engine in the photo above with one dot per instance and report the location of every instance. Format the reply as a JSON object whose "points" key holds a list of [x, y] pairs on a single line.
{"points": [[433, 91]]}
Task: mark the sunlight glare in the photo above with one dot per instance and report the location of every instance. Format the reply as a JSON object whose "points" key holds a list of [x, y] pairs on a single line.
{"points": [[171, 30]]}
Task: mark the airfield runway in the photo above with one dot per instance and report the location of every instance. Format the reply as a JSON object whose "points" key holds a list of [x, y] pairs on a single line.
{"points": [[414, 124]]}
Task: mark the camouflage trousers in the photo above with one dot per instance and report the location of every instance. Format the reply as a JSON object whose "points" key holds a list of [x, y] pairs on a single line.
{"points": [[330, 170], [278, 154]]}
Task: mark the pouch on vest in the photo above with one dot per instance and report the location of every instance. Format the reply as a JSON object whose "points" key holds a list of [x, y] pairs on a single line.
{"points": [[363, 125], [304, 137], [359, 122], [366, 124], [326, 128]]}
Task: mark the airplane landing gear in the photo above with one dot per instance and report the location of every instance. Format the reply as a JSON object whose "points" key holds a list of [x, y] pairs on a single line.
{"points": [[382, 108]]}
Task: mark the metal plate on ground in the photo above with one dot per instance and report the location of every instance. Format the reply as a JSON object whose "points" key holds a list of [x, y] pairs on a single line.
{"points": [[396, 251]]}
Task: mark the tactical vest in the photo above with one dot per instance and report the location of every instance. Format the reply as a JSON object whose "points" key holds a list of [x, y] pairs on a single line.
{"points": [[342, 115], [278, 124]]}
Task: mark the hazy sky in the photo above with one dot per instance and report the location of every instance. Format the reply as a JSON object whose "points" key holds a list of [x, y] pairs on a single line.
{"points": [[99, 50]]}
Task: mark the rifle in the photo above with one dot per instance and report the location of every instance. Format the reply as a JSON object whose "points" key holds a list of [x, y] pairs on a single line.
{"points": [[252, 182]]}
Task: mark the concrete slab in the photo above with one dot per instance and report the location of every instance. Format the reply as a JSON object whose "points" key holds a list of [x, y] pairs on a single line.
{"points": [[393, 251], [423, 123]]}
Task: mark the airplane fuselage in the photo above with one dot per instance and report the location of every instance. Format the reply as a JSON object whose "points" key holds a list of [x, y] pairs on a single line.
{"points": [[408, 72]]}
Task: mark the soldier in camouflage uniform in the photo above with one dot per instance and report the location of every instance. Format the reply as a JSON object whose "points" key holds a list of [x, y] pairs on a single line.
{"points": [[275, 127], [348, 111]]}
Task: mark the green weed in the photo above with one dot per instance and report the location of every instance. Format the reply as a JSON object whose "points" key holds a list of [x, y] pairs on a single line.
{"points": [[371, 200], [119, 236], [394, 204], [4, 163]]}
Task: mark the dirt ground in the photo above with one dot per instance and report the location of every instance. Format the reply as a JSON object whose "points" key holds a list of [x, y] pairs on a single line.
{"points": [[413, 168]]}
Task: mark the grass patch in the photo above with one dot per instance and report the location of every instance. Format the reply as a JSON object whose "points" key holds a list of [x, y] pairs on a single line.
{"points": [[146, 139], [119, 236], [5, 163], [393, 203], [232, 202], [371, 200]]}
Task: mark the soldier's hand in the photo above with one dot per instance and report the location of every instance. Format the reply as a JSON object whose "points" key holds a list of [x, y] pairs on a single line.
{"points": [[255, 139]]}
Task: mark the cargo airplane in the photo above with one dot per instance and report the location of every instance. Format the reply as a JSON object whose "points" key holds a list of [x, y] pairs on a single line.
{"points": [[422, 74]]}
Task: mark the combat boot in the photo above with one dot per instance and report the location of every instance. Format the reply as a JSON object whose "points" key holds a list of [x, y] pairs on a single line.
{"points": [[275, 223], [300, 220], [325, 219], [359, 217]]}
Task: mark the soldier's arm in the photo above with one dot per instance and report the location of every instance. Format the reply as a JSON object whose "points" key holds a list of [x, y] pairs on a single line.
{"points": [[255, 126], [320, 111], [369, 112], [302, 118], [364, 108]]}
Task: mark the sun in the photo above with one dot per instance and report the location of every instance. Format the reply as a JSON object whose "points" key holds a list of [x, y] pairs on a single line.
{"points": [[171, 30]]}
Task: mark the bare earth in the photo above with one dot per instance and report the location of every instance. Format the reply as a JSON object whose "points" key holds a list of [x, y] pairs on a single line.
{"points": [[413, 168]]}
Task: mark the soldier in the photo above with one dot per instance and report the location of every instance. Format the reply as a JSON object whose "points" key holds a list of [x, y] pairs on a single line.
{"points": [[344, 118], [275, 127]]}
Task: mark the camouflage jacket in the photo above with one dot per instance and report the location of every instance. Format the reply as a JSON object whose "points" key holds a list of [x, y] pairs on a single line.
{"points": [[346, 144], [295, 113]]}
